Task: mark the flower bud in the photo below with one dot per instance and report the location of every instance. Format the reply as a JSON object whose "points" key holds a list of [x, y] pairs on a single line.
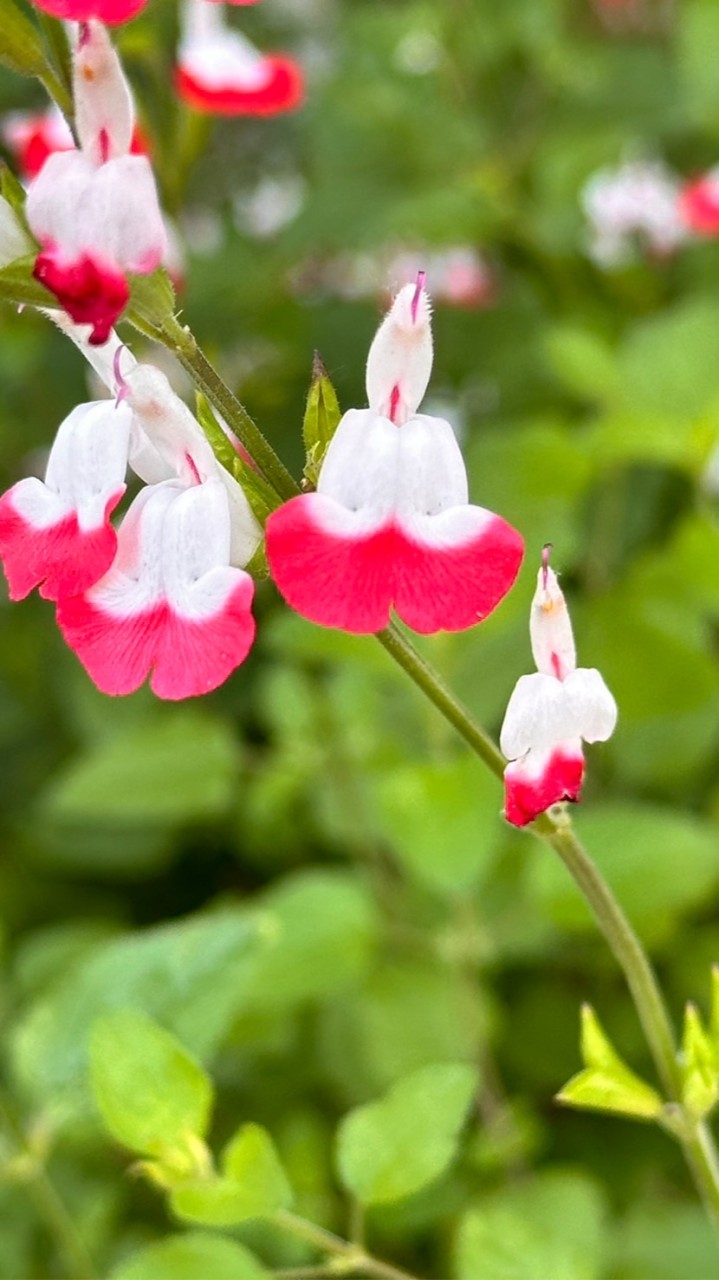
{"points": [[400, 358], [103, 104], [550, 628]]}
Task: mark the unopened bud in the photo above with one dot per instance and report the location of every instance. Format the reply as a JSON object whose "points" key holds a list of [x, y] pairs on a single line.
{"points": [[103, 103], [550, 628], [400, 358]]}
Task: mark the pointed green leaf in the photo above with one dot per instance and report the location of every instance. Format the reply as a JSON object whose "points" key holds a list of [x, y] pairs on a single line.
{"points": [[260, 495], [20, 46], [189, 1257], [607, 1083], [700, 1078], [322, 414], [391, 1148], [153, 1097], [19, 286], [253, 1184]]}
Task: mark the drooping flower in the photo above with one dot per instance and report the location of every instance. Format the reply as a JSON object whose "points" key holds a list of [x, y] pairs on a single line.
{"points": [[637, 202], [221, 72], [32, 136], [551, 712], [111, 12], [95, 210], [57, 534], [390, 525], [171, 607]]}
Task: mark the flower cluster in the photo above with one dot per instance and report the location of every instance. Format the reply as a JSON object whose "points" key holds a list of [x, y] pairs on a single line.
{"points": [[642, 202], [165, 594]]}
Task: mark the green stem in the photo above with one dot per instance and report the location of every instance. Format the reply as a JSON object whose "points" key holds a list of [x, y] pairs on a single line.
{"points": [[58, 1220], [355, 1257]]}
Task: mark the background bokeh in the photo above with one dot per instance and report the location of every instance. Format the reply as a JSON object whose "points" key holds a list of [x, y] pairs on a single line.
{"points": [[409, 925]]}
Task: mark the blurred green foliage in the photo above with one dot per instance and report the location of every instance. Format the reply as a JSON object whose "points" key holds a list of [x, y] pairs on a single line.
{"points": [[304, 879]]}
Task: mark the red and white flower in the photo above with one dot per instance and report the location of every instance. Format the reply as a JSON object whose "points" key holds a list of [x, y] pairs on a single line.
{"points": [[57, 534], [221, 72], [636, 202], [390, 525], [551, 712], [95, 210], [172, 607], [32, 136]]}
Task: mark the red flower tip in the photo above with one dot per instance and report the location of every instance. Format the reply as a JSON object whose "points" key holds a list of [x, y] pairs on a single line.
{"points": [[88, 292], [111, 12], [282, 90]]}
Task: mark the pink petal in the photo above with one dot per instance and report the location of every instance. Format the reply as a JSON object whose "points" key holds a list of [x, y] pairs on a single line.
{"points": [[90, 292], [186, 657], [539, 780], [111, 12], [282, 90], [61, 558], [699, 206], [350, 581], [452, 587]]}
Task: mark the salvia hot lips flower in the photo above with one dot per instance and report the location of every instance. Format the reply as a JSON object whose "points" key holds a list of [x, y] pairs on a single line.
{"points": [[221, 72], [111, 12], [390, 524], [550, 712], [95, 210]]}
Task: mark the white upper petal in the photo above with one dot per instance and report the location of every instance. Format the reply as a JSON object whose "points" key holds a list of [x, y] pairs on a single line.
{"points": [[361, 468], [101, 94], [86, 467], [544, 712], [119, 217], [538, 715], [135, 581], [54, 198], [196, 551], [592, 703], [400, 356], [214, 54], [431, 473], [170, 439], [550, 628]]}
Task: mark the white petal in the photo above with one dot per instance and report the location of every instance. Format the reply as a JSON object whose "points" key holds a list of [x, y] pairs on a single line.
{"points": [[54, 198], [170, 427], [361, 468], [120, 218], [432, 474], [550, 628], [400, 357], [135, 581], [103, 104], [593, 706], [216, 55], [196, 541], [539, 715]]}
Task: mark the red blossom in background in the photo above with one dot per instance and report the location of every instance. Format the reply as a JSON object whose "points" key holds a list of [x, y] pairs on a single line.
{"points": [[220, 72]]}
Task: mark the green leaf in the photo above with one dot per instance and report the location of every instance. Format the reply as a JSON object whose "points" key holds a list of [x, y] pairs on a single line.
{"points": [[20, 47], [152, 297], [18, 285], [607, 1083], [583, 362], [195, 1256], [191, 975], [253, 1184], [179, 768], [550, 1227], [700, 1066], [151, 1094], [443, 820], [222, 446], [322, 414], [391, 1148]]}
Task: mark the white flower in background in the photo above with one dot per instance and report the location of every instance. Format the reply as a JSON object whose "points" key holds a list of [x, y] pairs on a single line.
{"points": [[638, 201]]}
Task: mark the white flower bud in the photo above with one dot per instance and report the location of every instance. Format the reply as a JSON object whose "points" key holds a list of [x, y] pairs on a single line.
{"points": [[400, 358]]}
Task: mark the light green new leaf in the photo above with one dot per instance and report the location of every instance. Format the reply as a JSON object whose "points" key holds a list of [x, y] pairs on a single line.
{"points": [[391, 1148], [700, 1066], [195, 1256], [253, 1184], [152, 1095], [607, 1083]]}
